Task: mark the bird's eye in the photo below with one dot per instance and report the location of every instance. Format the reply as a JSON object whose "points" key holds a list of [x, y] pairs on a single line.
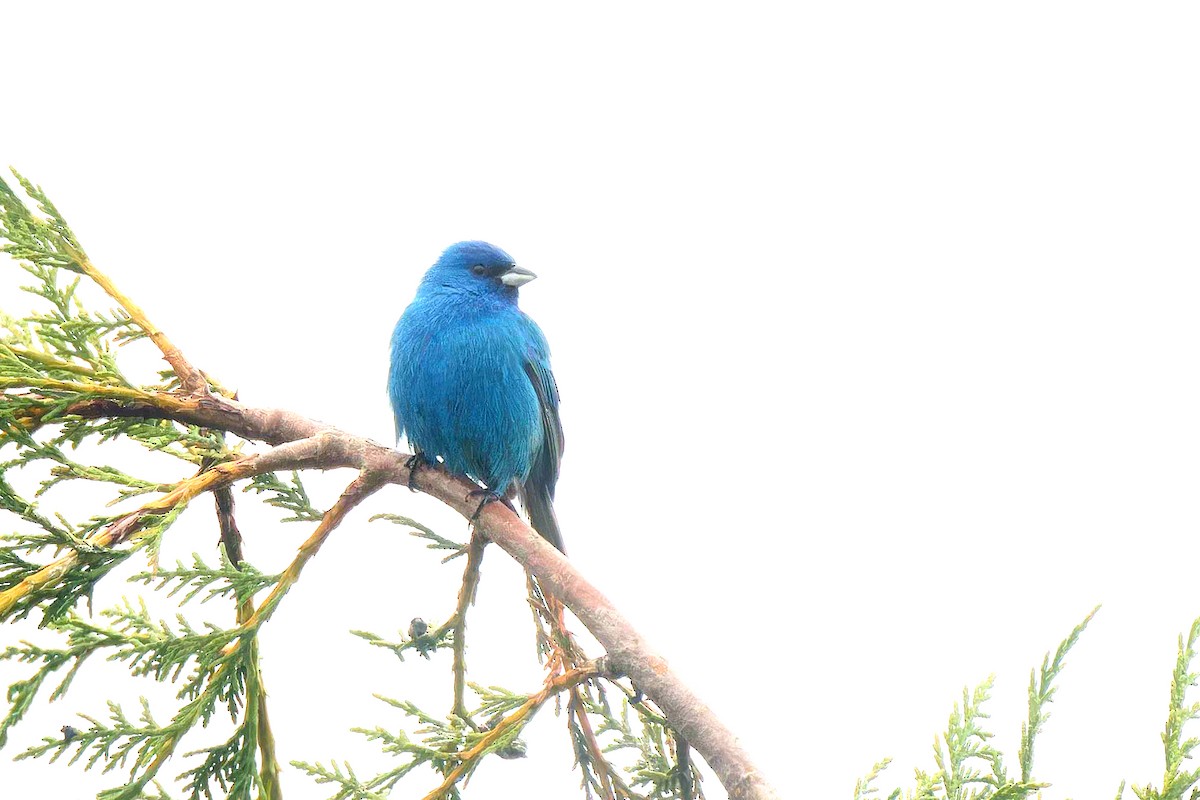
{"points": [[479, 269]]}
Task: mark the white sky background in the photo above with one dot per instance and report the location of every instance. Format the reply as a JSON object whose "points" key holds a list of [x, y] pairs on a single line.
{"points": [[875, 324]]}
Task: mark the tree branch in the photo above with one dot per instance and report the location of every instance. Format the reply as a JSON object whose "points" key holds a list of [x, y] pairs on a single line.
{"points": [[302, 443]]}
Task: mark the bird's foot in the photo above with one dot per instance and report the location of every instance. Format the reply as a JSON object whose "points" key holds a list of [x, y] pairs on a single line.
{"points": [[411, 463], [488, 497]]}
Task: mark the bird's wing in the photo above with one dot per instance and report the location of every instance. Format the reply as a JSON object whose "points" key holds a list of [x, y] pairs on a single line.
{"points": [[537, 492], [548, 458]]}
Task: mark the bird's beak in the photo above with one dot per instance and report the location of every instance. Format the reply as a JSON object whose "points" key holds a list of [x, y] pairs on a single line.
{"points": [[516, 276]]}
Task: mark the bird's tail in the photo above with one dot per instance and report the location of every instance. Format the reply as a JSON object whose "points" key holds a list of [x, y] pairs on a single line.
{"points": [[540, 507]]}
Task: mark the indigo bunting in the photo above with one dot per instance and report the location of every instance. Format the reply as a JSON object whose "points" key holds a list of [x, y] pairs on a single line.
{"points": [[470, 381]]}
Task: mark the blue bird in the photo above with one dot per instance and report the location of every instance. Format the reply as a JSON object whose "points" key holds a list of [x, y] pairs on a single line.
{"points": [[470, 381]]}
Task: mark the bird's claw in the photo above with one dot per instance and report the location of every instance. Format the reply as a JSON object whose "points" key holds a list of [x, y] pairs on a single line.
{"points": [[411, 464]]}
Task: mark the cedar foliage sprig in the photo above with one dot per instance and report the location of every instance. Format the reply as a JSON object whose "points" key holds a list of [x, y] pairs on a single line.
{"points": [[1177, 750], [54, 364], [215, 669], [291, 496], [968, 767]]}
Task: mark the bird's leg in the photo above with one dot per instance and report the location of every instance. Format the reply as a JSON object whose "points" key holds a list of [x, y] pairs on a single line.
{"points": [[417, 459]]}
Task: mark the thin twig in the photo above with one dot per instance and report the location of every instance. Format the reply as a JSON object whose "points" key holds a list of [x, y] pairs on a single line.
{"points": [[576, 709], [683, 757], [48, 360], [256, 692], [466, 596], [359, 489], [190, 378], [257, 696], [231, 537]]}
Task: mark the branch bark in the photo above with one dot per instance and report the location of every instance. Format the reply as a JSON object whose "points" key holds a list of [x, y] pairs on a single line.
{"points": [[301, 443]]}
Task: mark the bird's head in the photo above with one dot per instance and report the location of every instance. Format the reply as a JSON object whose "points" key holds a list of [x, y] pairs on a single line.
{"points": [[479, 268]]}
